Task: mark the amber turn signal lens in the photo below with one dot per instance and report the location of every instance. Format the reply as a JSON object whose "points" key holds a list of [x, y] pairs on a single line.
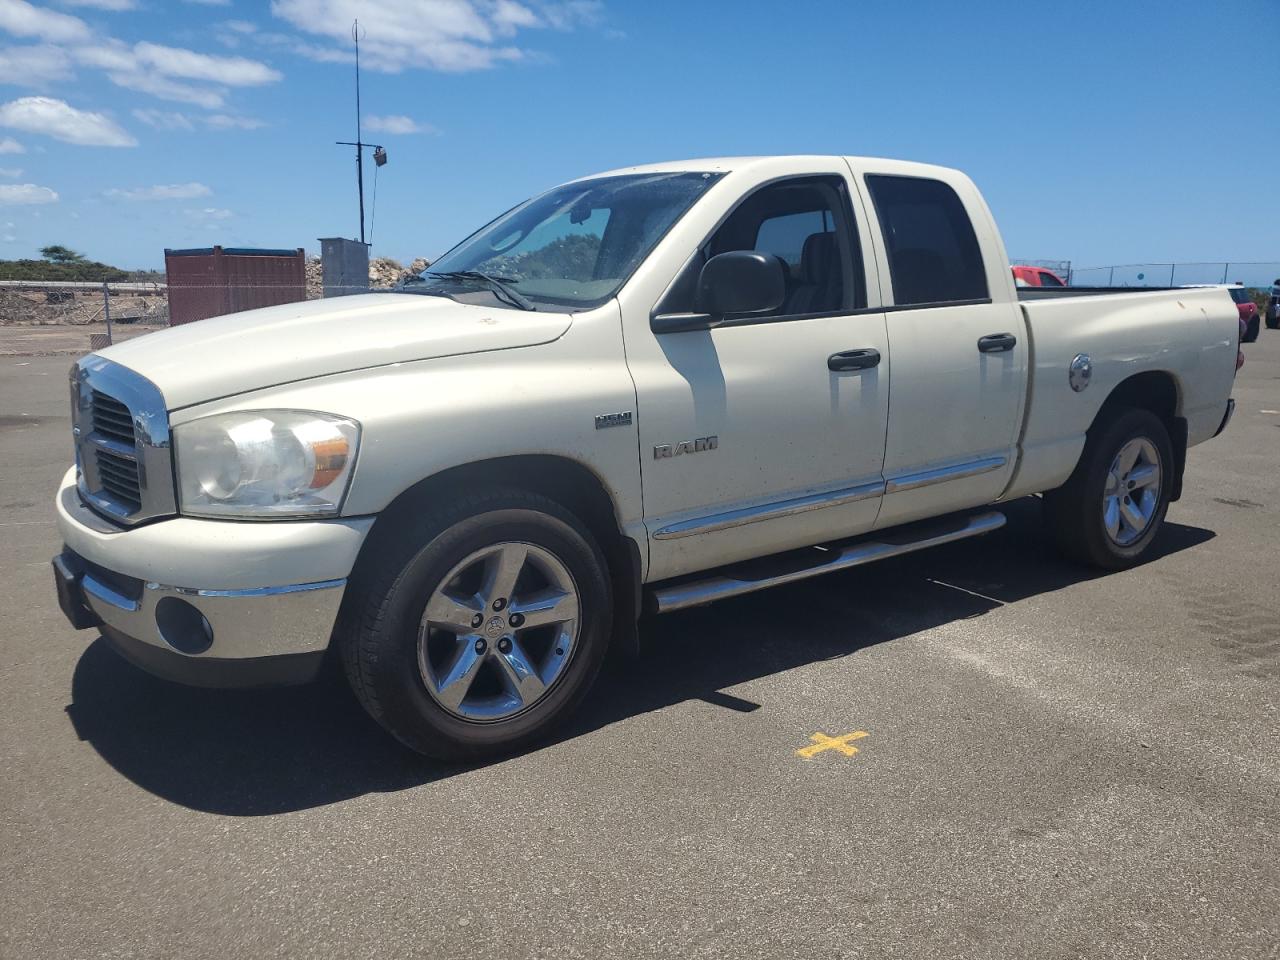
{"points": [[331, 457]]}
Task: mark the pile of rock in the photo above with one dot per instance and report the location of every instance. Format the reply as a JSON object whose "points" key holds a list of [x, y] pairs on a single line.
{"points": [[315, 278], [62, 306], [383, 272]]}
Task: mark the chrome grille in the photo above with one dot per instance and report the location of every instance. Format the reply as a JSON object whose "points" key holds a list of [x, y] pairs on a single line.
{"points": [[111, 418], [121, 429], [119, 478]]}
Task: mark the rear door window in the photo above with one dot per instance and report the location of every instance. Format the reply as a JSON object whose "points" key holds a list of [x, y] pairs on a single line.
{"points": [[933, 251]]}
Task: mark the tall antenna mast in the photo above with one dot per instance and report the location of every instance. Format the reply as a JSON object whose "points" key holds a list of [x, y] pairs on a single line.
{"points": [[355, 35], [379, 154]]}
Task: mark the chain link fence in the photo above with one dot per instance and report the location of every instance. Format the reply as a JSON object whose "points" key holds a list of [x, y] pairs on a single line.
{"points": [[92, 315], [75, 314], [1255, 274]]}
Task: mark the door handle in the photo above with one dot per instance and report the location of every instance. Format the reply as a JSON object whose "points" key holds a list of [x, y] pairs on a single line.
{"points": [[863, 359], [997, 343]]}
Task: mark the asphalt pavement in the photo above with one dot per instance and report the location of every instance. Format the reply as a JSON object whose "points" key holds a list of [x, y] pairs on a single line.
{"points": [[1049, 763]]}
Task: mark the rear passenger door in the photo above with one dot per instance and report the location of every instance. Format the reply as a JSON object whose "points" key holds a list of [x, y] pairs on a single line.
{"points": [[958, 346]]}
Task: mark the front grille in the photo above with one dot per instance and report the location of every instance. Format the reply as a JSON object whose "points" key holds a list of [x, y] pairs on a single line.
{"points": [[119, 477], [122, 443], [111, 418]]}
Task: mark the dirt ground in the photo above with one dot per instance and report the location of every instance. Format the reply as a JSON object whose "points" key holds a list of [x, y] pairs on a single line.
{"points": [[62, 340]]}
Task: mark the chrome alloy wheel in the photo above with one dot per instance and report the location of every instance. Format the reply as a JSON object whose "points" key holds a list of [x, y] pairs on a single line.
{"points": [[1132, 492], [498, 631]]}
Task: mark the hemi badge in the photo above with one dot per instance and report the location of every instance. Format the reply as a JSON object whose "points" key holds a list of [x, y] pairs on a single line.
{"points": [[613, 420]]}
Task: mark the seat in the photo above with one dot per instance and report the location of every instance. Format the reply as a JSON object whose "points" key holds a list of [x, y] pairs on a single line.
{"points": [[821, 286]]}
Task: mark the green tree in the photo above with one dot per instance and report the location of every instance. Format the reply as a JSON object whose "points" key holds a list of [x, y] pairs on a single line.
{"points": [[57, 253]]}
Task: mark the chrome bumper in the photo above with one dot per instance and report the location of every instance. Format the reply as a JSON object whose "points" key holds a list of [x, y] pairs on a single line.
{"points": [[245, 637], [198, 600]]}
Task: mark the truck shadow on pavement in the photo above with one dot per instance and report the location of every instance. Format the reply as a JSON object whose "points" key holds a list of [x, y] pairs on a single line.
{"points": [[254, 753]]}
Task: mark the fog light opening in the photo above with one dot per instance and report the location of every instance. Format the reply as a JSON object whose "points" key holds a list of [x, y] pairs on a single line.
{"points": [[182, 626]]}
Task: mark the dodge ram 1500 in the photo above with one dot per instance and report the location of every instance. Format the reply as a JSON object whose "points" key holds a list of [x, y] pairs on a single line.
{"points": [[599, 406]]}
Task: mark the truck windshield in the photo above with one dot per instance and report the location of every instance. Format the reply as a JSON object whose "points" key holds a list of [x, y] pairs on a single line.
{"points": [[576, 245]]}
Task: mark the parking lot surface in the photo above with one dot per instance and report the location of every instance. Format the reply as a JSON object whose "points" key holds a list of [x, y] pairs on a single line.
{"points": [[1051, 764]]}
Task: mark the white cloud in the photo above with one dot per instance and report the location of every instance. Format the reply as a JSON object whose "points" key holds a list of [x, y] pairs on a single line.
{"points": [[509, 16], [396, 124], [10, 172], [10, 145], [397, 34], [112, 5], [210, 214], [174, 73], [189, 65], [209, 3], [164, 119], [223, 121], [168, 191], [24, 20], [60, 120], [34, 66], [14, 194], [176, 120], [241, 26], [166, 89]]}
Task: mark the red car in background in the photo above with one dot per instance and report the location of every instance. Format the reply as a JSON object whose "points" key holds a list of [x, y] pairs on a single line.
{"points": [[1249, 316], [1036, 277]]}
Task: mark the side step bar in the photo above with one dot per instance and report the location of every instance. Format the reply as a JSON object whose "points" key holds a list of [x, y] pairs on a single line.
{"points": [[755, 575]]}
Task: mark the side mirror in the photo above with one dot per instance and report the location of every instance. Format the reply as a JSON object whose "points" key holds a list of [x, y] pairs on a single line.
{"points": [[740, 283]]}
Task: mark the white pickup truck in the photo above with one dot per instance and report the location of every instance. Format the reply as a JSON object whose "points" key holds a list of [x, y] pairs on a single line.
{"points": [[597, 406]]}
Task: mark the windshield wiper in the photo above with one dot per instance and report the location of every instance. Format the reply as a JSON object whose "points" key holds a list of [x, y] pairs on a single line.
{"points": [[499, 285]]}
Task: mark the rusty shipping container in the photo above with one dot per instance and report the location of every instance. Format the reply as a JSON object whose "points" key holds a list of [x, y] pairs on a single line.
{"points": [[211, 281]]}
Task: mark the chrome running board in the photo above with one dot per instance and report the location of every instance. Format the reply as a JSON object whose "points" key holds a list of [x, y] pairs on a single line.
{"points": [[753, 575]]}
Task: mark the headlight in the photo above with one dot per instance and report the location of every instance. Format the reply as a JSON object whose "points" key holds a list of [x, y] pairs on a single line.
{"points": [[265, 463]]}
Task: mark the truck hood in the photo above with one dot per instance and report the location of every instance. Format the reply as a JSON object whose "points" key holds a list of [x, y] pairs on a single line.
{"points": [[227, 355]]}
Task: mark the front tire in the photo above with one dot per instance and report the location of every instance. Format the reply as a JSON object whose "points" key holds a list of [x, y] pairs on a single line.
{"points": [[476, 630], [1273, 322], [1111, 508], [1251, 329]]}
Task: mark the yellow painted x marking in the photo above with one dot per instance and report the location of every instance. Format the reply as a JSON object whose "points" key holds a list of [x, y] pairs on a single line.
{"points": [[822, 742]]}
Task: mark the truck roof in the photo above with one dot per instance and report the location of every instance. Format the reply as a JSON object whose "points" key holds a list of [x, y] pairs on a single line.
{"points": [[726, 164]]}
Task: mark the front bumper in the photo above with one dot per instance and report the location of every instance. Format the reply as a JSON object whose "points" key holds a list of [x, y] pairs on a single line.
{"points": [[207, 602]]}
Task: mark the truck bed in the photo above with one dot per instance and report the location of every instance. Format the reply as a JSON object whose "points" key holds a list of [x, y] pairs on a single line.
{"points": [[1057, 293]]}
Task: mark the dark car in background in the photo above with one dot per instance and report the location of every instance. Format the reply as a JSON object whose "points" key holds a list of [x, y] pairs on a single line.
{"points": [[1273, 307]]}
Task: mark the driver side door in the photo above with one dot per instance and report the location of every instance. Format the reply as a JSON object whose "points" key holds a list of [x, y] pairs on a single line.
{"points": [[754, 436]]}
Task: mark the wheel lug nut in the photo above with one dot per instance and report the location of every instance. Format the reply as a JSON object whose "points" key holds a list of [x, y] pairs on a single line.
{"points": [[477, 620], [517, 619], [499, 604], [481, 646], [504, 645]]}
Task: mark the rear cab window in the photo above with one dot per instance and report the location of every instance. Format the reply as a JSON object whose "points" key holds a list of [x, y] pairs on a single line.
{"points": [[933, 251]]}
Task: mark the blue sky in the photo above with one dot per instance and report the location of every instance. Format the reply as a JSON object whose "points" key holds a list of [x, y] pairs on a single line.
{"points": [[1101, 132]]}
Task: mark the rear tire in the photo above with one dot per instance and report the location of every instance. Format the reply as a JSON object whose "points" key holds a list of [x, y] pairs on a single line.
{"points": [[1251, 330], [457, 674], [1111, 508], [1273, 322]]}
